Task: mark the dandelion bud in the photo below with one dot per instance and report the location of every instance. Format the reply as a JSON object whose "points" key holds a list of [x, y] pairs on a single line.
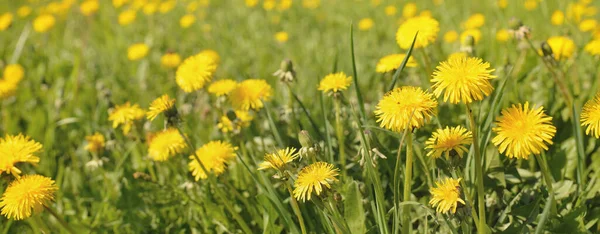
{"points": [[231, 115], [286, 72], [515, 23], [305, 139], [546, 49]]}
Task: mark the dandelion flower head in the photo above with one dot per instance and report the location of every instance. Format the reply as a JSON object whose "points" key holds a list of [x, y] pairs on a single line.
{"points": [[314, 177], [446, 195], [26, 196], [405, 107], [215, 156]]}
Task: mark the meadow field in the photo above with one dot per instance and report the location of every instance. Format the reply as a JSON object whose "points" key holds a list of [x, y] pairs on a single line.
{"points": [[299, 116]]}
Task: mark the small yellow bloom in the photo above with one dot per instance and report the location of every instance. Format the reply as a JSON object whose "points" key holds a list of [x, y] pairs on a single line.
{"points": [[89, 7], [281, 37], [590, 117], [530, 5], [474, 21], [24, 11], [160, 105], [311, 4], [463, 79], [166, 144], [558, 17], [314, 177], [251, 3], [278, 159], [449, 141], [195, 71], [446, 195], [6, 20], [214, 155], [409, 10], [150, 8], [269, 5], [95, 142], [222, 87], [475, 33], [365, 24], [137, 51], [191, 7], [522, 131], [390, 10], [26, 196], [166, 6], [406, 107], [502, 35], [450, 36], [335, 82], [242, 120], [212, 54], [562, 47], [125, 115], [13, 73], [17, 149], [588, 25], [119, 3], [187, 20], [392, 62], [250, 94], [284, 5], [43, 23], [502, 4], [7, 88], [170, 60], [427, 27], [593, 47], [127, 17]]}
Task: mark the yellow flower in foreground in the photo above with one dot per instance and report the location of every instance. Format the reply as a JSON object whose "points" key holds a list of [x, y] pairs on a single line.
{"points": [[278, 159], [17, 149], [222, 87], [127, 17], [242, 119], [558, 17], [43, 23], [95, 142], [409, 10], [194, 72], [314, 177], [522, 131], [427, 27], [137, 51], [449, 141], [450, 36], [89, 7], [6, 20], [170, 60], [250, 94], [187, 20], [405, 107], [335, 82], [211, 54], [475, 33], [474, 21], [13, 73], [365, 24], [502, 35], [392, 62], [125, 115], [7, 88], [160, 105], [593, 47], [166, 144], [562, 47], [588, 25], [281, 37], [462, 79], [27, 195], [24, 11], [215, 156], [446, 195], [590, 117]]}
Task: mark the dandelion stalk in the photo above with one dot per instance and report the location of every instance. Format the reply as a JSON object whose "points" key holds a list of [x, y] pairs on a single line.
{"points": [[60, 220], [549, 203], [557, 79], [340, 134], [407, 184], [468, 199], [478, 173], [296, 208]]}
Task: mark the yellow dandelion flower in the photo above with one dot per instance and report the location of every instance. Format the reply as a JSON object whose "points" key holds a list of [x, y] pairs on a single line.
{"points": [[160, 105], [590, 117], [449, 141], [335, 82], [475, 33], [191, 7], [284, 5], [127, 17], [7, 88], [194, 72], [222, 87], [187, 20], [562, 47], [89, 7], [150, 8], [315, 177], [405, 107], [166, 144], [593, 47], [125, 115], [281, 37], [119, 3], [427, 27], [23, 12], [95, 142], [211, 54], [6, 20], [446, 195], [392, 62], [166, 6], [409, 10], [14, 73], [311, 4], [502, 35], [522, 131], [365, 24], [250, 94], [17, 149], [390, 10], [27, 195], [588, 25], [450, 36], [215, 156], [462, 79], [278, 159], [558, 17], [242, 119], [137, 51], [502, 4], [43, 23], [251, 3], [170, 60], [474, 21], [530, 5]]}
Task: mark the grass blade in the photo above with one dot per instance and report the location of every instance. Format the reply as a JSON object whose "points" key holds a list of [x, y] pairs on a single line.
{"points": [[403, 64], [361, 104]]}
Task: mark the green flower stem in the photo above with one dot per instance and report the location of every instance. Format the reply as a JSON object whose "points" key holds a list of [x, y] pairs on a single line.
{"points": [[550, 202], [213, 181], [478, 174], [407, 183], [60, 219], [296, 208], [469, 200], [340, 134]]}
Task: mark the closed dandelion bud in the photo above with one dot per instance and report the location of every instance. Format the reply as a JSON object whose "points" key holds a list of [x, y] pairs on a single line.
{"points": [[546, 49], [305, 139], [286, 72], [515, 23], [231, 115], [337, 197]]}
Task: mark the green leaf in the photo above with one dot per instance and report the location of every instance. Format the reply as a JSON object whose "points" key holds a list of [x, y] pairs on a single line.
{"points": [[354, 213]]}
